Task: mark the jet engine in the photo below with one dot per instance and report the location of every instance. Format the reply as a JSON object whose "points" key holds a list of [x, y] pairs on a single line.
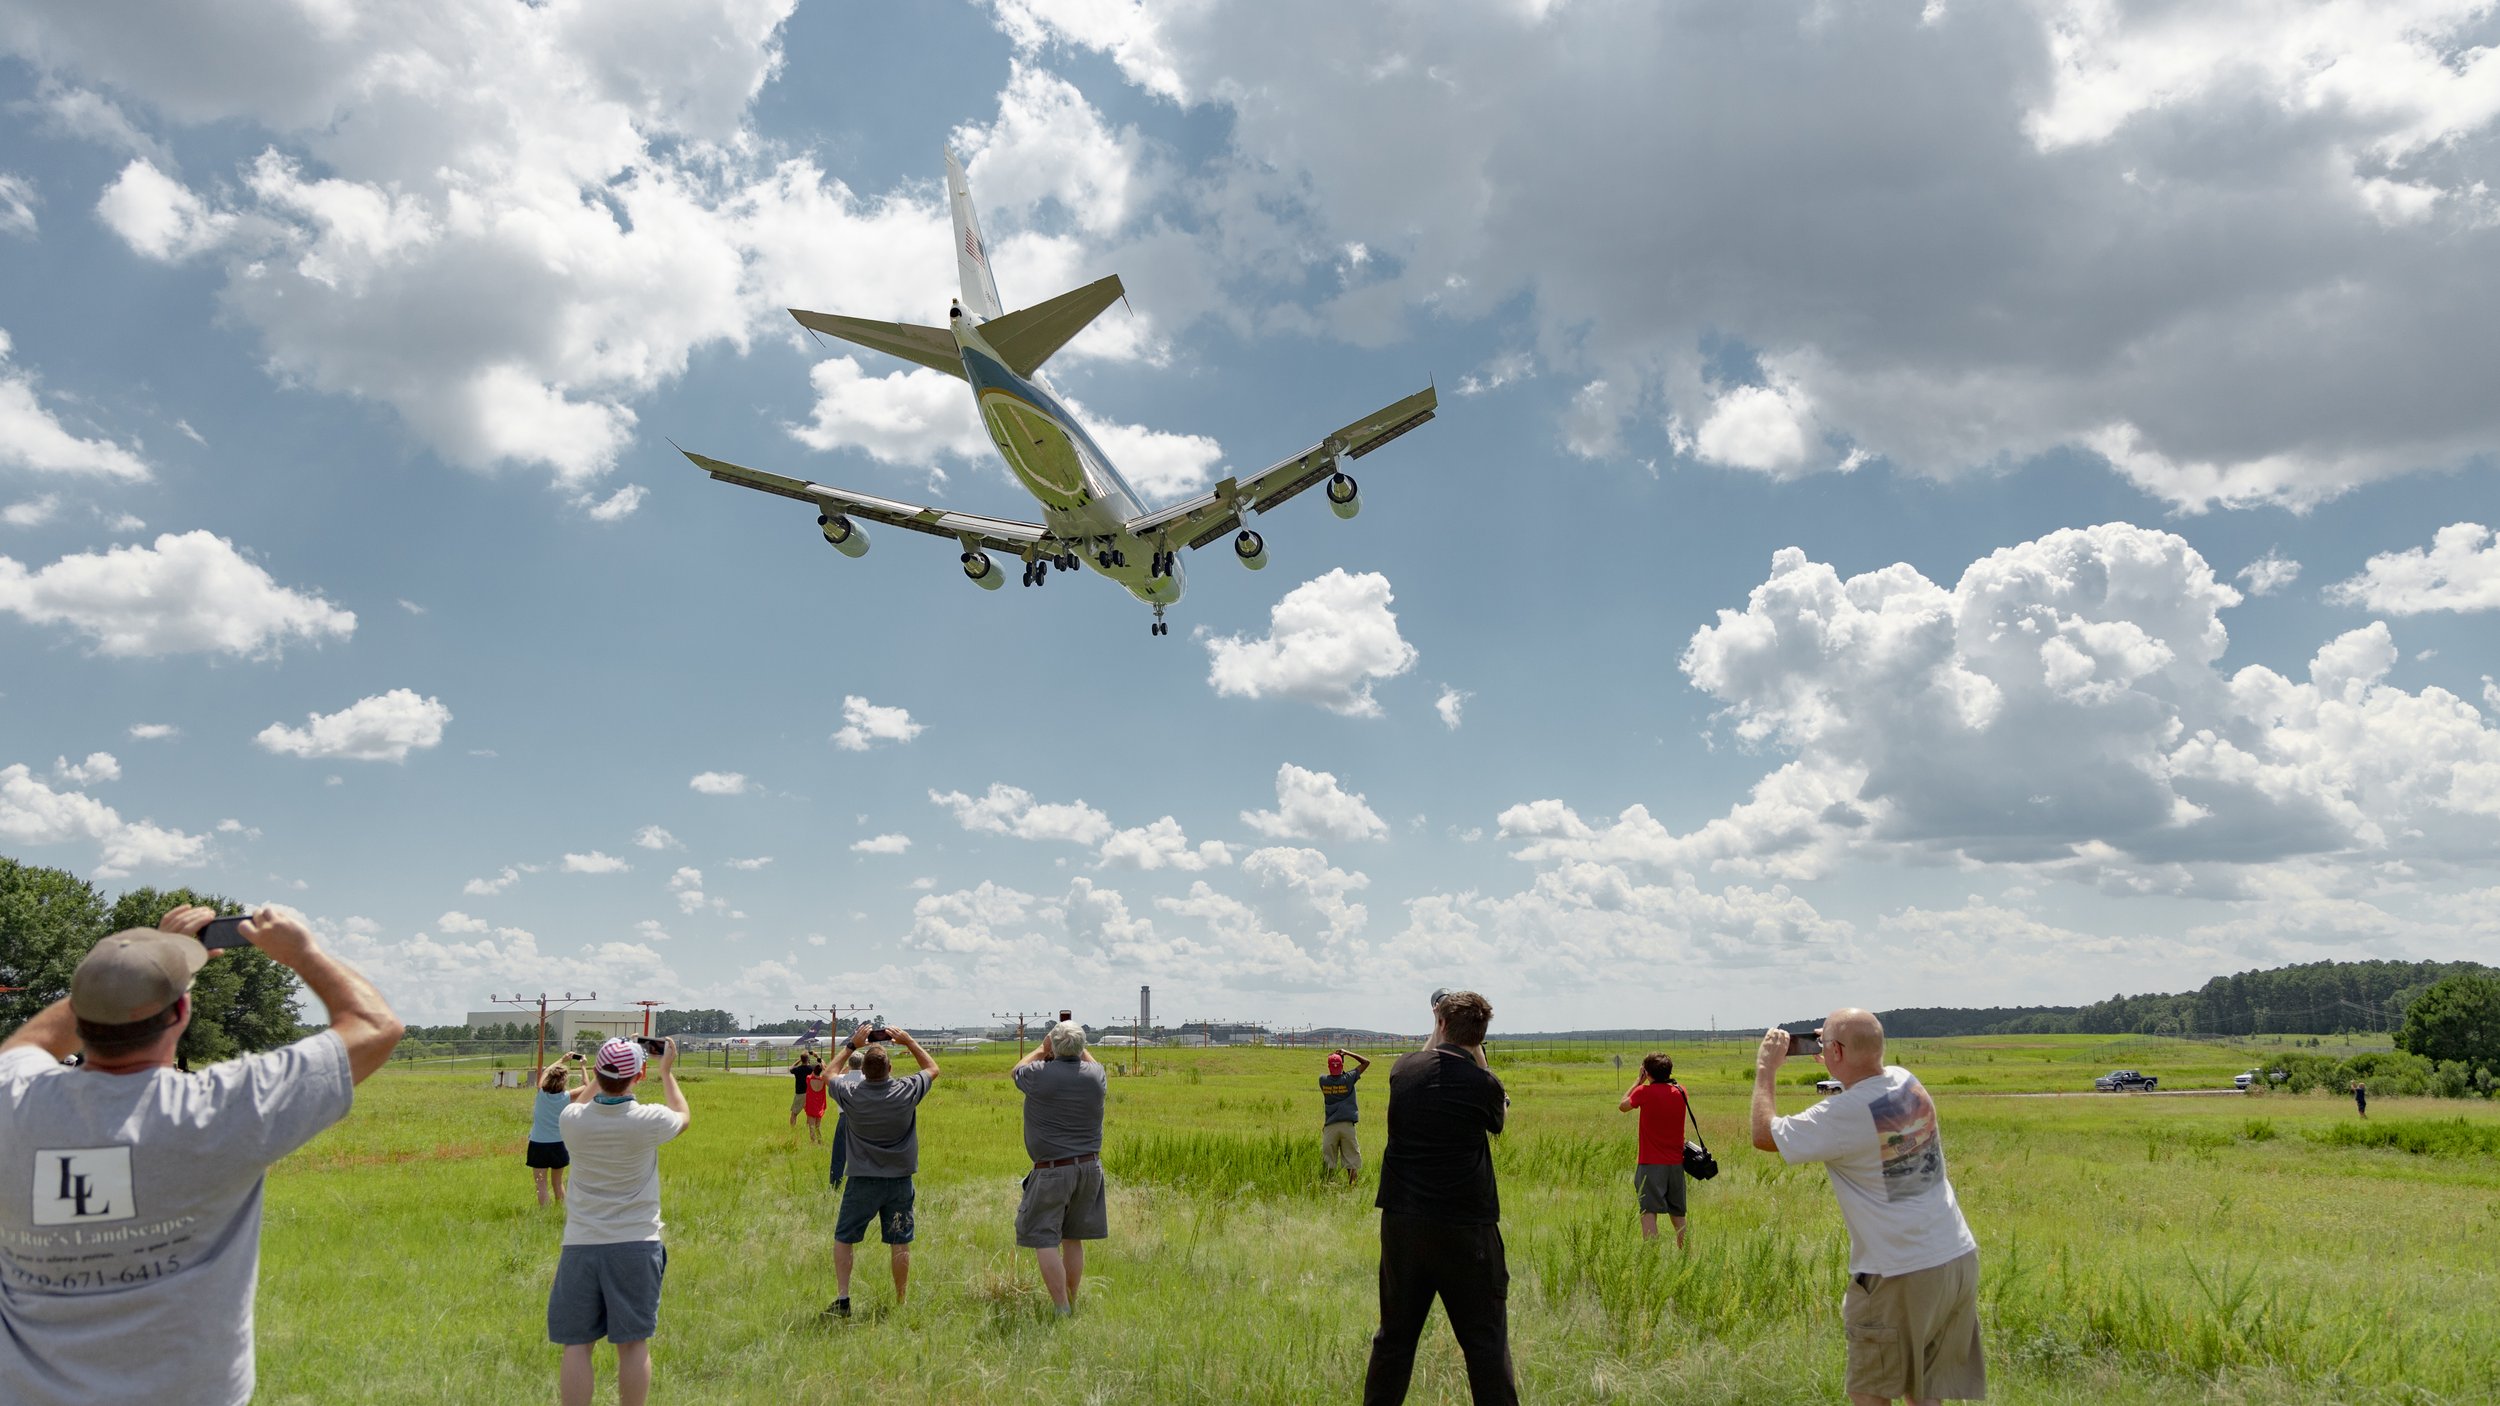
{"points": [[982, 572], [846, 537], [1251, 548], [1341, 496]]}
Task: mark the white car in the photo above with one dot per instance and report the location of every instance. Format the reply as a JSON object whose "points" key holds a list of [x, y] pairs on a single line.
{"points": [[2242, 1082]]}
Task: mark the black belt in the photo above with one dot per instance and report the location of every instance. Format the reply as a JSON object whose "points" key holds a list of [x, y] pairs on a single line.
{"points": [[1069, 1161]]}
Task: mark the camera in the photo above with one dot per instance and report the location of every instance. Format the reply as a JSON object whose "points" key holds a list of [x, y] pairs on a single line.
{"points": [[1806, 1042]]}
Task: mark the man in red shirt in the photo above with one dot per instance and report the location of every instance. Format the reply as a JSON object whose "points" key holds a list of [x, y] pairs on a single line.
{"points": [[1660, 1176]]}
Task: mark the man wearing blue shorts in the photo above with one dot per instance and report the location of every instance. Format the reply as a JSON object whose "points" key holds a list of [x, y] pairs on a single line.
{"points": [[882, 1117], [608, 1279]]}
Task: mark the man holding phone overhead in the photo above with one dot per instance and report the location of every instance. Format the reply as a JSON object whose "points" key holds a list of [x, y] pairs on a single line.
{"points": [[130, 1193]]}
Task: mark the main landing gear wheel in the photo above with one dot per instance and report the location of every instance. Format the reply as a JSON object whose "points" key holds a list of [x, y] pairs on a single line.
{"points": [[1159, 628]]}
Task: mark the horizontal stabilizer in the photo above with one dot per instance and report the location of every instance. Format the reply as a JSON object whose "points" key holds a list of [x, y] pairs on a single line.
{"points": [[933, 347], [1026, 337]]}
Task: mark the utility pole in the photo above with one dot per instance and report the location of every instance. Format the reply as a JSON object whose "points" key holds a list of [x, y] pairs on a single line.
{"points": [[646, 1013], [1019, 1018], [833, 1015], [542, 1000]]}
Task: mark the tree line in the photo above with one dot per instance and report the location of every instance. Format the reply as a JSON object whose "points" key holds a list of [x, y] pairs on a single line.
{"points": [[49, 918], [2312, 998]]}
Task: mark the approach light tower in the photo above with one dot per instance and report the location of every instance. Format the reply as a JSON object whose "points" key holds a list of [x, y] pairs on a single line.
{"points": [[542, 1000]]}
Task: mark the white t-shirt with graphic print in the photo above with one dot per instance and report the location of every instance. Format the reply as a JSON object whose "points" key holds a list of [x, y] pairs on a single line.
{"points": [[1879, 1141]]}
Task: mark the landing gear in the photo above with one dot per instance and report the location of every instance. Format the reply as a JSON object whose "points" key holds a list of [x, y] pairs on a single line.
{"points": [[1161, 565], [1034, 572], [1159, 628]]}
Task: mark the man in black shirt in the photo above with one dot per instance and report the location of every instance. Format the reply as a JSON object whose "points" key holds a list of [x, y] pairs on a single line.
{"points": [[1440, 1212]]}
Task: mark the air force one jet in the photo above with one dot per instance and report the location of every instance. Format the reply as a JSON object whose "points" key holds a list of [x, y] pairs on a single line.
{"points": [[1089, 513]]}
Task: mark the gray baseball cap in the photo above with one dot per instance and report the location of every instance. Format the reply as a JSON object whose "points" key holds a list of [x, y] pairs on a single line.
{"points": [[133, 975]]}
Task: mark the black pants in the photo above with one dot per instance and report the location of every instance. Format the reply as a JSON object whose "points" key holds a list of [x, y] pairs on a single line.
{"points": [[1463, 1265]]}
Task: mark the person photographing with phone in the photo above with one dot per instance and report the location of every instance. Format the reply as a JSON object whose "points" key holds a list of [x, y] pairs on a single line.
{"points": [[1063, 1204], [130, 1193], [545, 1154], [881, 1118], [1911, 1312], [608, 1277]]}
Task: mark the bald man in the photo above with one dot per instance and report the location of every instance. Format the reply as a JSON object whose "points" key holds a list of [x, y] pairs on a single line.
{"points": [[1911, 1313]]}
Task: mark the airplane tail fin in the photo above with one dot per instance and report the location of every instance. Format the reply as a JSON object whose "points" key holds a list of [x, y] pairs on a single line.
{"points": [[972, 257]]}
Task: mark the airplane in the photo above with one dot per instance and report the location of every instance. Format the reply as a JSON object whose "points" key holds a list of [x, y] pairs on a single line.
{"points": [[1090, 515]]}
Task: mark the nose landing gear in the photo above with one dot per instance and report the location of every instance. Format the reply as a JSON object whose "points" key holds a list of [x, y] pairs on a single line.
{"points": [[1159, 627]]}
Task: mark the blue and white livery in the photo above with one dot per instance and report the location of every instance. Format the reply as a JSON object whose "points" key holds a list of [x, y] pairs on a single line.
{"points": [[1090, 516]]}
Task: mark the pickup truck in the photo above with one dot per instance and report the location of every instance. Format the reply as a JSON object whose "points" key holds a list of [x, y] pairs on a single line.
{"points": [[2123, 1080]]}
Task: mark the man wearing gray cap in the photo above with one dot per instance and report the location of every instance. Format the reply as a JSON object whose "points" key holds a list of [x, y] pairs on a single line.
{"points": [[130, 1192], [1063, 1205]]}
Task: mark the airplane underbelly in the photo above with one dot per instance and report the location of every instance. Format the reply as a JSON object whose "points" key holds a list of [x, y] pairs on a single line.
{"points": [[1037, 449]]}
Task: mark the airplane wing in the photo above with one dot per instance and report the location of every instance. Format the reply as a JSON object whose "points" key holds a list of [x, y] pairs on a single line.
{"points": [[933, 347], [1210, 516], [989, 533]]}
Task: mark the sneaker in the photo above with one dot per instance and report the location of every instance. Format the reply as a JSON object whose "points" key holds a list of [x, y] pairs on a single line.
{"points": [[839, 1308]]}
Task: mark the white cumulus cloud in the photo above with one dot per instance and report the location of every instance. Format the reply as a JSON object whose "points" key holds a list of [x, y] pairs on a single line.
{"points": [[32, 438], [1328, 641], [154, 732], [190, 593], [2269, 573], [882, 844], [1449, 705], [865, 724], [720, 783], [594, 862], [17, 205], [1162, 845], [1012, 810], [32, 813], [1310, 805], [383, 728], [98, 766], [653, 837], [2459, 571]]}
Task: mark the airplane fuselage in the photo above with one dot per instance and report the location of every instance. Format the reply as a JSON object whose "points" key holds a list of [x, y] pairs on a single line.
{"points": [[1085, 503]]}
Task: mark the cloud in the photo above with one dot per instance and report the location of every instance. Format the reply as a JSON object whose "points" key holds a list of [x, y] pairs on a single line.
{"points": [[1329, 639], [1310, 805], [411, 606], [383, 728], [1161, 845], [881, 844], [2213, 204], [159, 217], [750, 865], [2459, 571], [649, 930], [1448, 705], [653, 837], [433, 978], [17, 205], [456, 921], [154, 732], [99, 766], [2058, 708], [594, 862], [1325, 887], [32, 512], [864, 724], [2269, 573], [32, 438], [191, 593], [615, 507], [687, 886], [720, 783], [32, 813], [488, 888], [1011, 810]]}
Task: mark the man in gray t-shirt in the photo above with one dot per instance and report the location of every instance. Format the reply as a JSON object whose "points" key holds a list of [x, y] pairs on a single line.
{"points": [[881, 1118], [130, 1192], [1063, 1206]]}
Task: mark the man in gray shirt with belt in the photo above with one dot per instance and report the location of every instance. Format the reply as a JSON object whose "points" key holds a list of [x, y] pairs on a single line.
{"points": [[1064, 1089], [130, 1192], [881, 1120]]}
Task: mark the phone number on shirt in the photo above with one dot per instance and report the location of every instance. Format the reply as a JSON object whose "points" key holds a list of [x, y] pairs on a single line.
{"points": [[98, 1278]]}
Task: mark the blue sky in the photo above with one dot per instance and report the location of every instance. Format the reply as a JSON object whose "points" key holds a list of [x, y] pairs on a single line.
{"points": [[2001, 490]]}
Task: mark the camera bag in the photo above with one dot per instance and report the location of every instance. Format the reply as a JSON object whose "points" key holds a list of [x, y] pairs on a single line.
{"points": [[1698, 1163]]}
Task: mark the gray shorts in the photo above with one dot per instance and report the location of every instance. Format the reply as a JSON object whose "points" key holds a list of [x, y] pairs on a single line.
{"points": [[1062, 1203], [1661, 1187], [606, 1291], [886, 1200]]}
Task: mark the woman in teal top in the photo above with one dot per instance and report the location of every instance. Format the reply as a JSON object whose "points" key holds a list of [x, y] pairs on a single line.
{"points": [[547, 1156]]}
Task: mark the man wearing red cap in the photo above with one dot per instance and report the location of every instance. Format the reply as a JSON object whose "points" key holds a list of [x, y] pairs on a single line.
{"points": [[130, 1192], [608, 1278], [1339, 1148]]}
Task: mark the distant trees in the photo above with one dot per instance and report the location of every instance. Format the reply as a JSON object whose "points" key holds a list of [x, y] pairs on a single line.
{"points": [[693, 1022], [2458, 1019], [2314, 998], [240, 1002]]}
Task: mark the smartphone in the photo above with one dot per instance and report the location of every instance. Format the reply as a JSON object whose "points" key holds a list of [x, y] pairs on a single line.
{"points": [[1805, 1045], [222, 933], [652, 1045], [1067, 1015]]}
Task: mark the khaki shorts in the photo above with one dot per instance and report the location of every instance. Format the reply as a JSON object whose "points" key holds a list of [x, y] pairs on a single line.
{"points": [[1916, 1335], [1062, 1203], [1340, 1149]]}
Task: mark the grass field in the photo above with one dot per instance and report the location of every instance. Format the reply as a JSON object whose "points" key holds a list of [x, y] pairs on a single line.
{"points": [[2134, 1249]]}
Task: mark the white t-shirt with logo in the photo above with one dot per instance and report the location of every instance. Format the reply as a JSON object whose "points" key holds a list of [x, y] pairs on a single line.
{"points": [[615, 1149], [1879, 1141], [130, 1219]]}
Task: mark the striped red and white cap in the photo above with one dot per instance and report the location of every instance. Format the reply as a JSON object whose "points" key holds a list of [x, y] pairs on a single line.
{"points": [[621, 1059]]}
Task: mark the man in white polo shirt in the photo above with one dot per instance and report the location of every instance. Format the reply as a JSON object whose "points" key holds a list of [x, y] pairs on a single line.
{"points": [[608, 1278], [1911, 1313]]}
